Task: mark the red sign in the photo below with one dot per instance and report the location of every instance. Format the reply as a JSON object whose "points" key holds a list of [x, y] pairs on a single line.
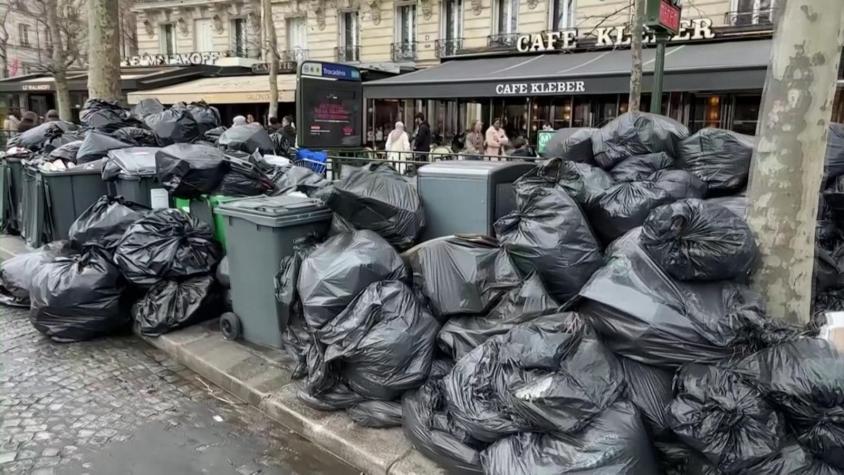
{"points": [[669, 16]]}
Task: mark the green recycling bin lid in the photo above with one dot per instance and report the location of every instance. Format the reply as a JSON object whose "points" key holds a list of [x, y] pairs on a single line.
{"points": [[276, 211]]}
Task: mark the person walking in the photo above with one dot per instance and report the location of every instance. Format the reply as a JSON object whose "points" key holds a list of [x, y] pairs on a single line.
{"points": [[238, 120], [397, 147], [275, 125], [288, 129], [52, 115], [496, 138], [475, 138], [10, 125], [29, 120], [422, 138]]}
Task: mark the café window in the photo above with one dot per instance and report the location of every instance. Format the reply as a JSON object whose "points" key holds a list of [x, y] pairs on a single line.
{"points": [[752, 12], [238, 37], [350, 37], [23, 34], [506, 17], [563, 14], [168, 38]]}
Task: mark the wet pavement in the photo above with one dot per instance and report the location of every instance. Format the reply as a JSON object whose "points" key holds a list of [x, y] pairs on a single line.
{"points": [[117, 405]]}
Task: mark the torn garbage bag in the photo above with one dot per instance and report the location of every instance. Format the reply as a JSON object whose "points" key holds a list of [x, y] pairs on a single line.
{"points": [[376, 414], [378, 198], [137, 136], [78, 298], [16, 273], [640, 167], [524, 303], [614, 443], [381, 345], [573, 143], [582, 181], [645, 315], [166, 244], [679, 184], [548, 234], [723, 418], [624, 207], [97, 145], [245, 138], [805, 379], [721, 158], [106, 116], [207, 117], [342, 267], [174, 125], [170, 305], [636, 133], [190, 170], [650, 389], [461, 275], [695, 240], [104, 223], [130, 162]]}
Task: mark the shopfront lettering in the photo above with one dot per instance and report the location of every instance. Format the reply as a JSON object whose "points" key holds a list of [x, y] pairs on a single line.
{"points": [[614, 36], [535, 88], [180, 59]]}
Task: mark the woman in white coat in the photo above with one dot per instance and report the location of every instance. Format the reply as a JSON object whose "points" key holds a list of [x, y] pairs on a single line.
{"points": [[397, 147]]}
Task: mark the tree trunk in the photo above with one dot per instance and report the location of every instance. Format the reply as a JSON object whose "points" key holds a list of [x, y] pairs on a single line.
{"points": [[271, 48], [788, 162], [635, 100], [59, 61], [104, 50]]}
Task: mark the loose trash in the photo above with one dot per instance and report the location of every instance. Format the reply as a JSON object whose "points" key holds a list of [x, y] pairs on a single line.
{"points": [[640, 167], [190, 170], [624, 207], [166, 244], [573, 143], [16, 273], [104, 223], [170, 305], [174, 125], [245, 138], [636, 134], [721, 158], [97, 145]]}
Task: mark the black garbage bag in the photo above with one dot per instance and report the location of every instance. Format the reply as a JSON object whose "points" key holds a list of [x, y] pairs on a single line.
{"points": [[296, 178], [132, 162], [222, 273], [66, 152], [641, 167], [166, 244], [283, 144], [650, 389], [170, 305], [244, 179], [834, 160], [97, 145], [246, 138], [737, 204], [643, 314], [78, 298], [106, 116], [376, 414], [190, 170], [461, 276], [582, 181], [724, 418], [636, 133], [149, 106], [695, 240], [573, 144], [342, 267], [614, 443], [545, 375], [214, 134], [174, 125], [296, 335], [548, 234], [829, 258], [679, 184], [207, 117], [16, 273], [624, 207], [45, 137], [137, 136], [339, 225], [804, 378], [524, 303], [378, 198], [104, 222], [719, 157], [426, 425], [380, 346]]}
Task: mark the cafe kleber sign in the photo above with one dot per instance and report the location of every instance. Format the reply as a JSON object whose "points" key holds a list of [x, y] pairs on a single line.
{"points": [[539, 88]]}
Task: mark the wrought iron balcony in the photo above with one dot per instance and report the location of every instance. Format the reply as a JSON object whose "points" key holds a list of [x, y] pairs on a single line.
{"points": [[503, 40], [751, 18], [348, 53], [404, 51], [450, 47], [296, 55]]}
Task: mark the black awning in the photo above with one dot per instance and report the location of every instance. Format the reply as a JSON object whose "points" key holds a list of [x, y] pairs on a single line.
{"points": [[736, 65]]}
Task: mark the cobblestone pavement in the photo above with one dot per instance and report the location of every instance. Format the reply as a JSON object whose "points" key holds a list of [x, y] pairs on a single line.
{"points": [[119, 406]]}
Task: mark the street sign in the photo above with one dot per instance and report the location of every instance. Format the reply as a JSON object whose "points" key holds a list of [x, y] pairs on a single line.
{"points": [[663, 15], [329, 106], [542, 138]]}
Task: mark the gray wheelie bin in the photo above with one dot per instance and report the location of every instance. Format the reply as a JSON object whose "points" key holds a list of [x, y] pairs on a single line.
{"points": [[68, 193], [32, 207], [130, 173], [260, 232]]}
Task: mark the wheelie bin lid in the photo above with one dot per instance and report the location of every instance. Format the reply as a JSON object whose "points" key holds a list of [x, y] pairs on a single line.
{"points": [[276, 211]]}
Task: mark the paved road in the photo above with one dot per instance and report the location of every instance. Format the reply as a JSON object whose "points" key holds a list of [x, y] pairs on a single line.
{"points": [[119, 406]]}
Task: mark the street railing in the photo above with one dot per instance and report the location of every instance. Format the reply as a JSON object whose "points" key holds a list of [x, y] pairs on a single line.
{"points": [[404, 51], [450, 47]]}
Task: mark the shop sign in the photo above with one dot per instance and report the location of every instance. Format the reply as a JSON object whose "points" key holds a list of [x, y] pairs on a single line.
{"points": [[539, 88], [613, 36], [179, 59], [35, 87]]}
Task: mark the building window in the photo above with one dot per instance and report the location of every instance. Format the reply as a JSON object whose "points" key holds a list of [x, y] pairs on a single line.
{"points": [[752, 12], [404, 49], [238, 37], [23, 34], [349, 37], [297, 40], [203, 35], [563, 12], [506, 15], [168, 38], [452, 27]]}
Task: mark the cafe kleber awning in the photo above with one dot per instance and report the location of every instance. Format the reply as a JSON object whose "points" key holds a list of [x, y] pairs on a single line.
{"points": [[734, 65], [222, 90]]}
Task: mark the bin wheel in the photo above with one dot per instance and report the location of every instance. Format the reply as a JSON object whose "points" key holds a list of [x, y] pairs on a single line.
{"points": [[230, 326]]}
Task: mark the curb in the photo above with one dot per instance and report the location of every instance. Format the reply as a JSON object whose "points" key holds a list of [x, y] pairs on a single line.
{"points": [[260, 377]]}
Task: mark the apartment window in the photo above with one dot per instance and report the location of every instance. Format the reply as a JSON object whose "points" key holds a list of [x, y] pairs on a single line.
{"points": [[297, 39], [452, 27], [563, 12], [507, 17], [238, 36], [203, 35], [168, 38], [350, 37], [405, 46], [23, 34], [753, 12]]}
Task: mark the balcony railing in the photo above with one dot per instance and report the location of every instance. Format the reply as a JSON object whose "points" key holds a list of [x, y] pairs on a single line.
{"points": [[450, 47], [751, 18], [404, 51], [503, 40], [348, 53], [294, 55]]}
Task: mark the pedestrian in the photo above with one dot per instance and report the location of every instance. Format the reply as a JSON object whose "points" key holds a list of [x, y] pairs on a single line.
{"points": [[238, 120], [379, 135], [288, 128], [275, 125], [475, 138], [520, 148], [10, 125], [547, 127], [28, 121], [250, 119], [422, 138], [495, 139], [52, 115], [397, 147]]}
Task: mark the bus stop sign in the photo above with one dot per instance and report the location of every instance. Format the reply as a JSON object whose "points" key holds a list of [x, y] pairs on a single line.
{"points": [[329, 106]]}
